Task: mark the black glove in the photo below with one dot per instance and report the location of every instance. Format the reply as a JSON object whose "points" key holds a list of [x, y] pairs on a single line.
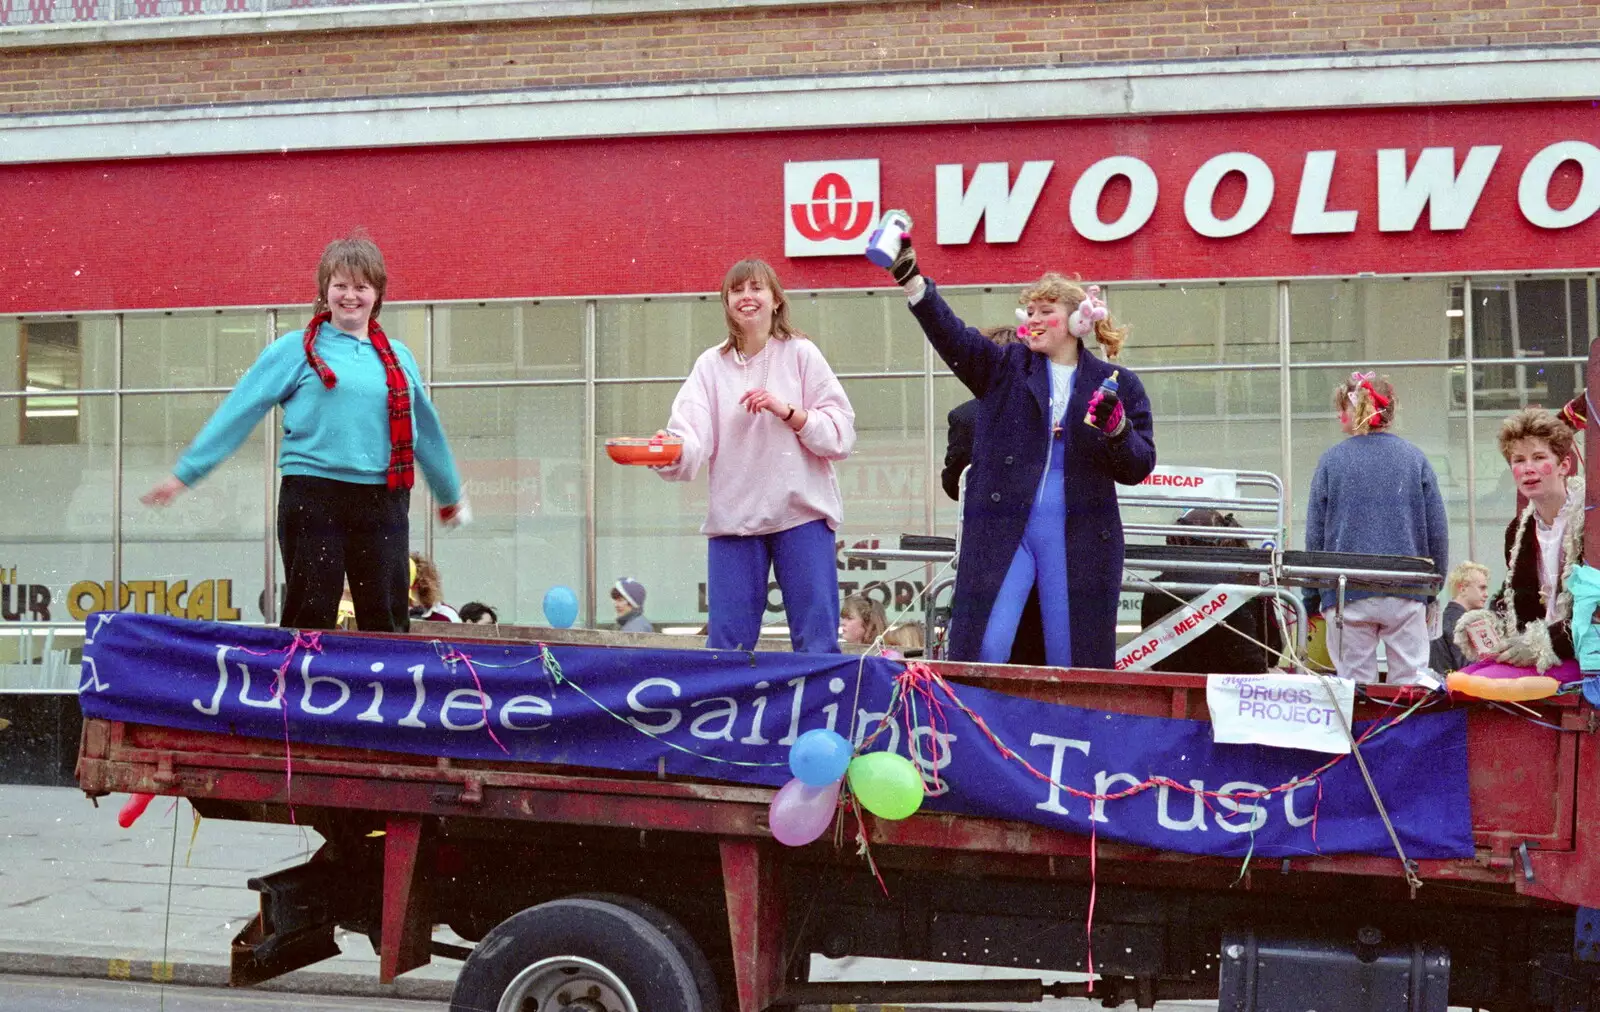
{"points": [[904, 267]]}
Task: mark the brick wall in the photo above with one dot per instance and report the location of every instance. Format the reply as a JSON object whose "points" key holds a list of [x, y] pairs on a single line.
{"points": [[783, 42]]}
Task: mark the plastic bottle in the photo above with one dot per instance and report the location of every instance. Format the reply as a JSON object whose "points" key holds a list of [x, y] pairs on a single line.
{"points": [[884, 244], [1107, 386]]}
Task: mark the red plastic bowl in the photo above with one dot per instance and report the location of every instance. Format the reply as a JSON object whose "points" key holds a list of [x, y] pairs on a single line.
{"points": [[653, 452]]}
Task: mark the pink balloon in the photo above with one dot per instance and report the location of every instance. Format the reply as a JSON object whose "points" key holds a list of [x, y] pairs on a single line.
{"points": [[800, 813]]}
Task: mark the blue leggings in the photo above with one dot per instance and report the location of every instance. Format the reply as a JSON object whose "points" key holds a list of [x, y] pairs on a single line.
{"points": [[1041, 558], [736, 587]]}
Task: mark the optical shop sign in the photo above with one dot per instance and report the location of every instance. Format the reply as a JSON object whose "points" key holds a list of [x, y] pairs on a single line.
{"points": [[1288, 711], [22, 600]]}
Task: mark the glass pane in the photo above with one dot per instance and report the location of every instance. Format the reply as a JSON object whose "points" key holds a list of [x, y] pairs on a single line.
{"points": [[656, 337], [211, 349], [884, 489], [861, 332], [55, 526], [51, 357], [507, 340], [1364, 319], [405, 324], [520, 455], [1525, 319], [1424, 417], [647, 528], [1197, 323], [202, 556]]}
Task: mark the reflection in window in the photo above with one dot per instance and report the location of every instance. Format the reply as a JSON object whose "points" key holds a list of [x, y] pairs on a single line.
{"points": [[507, 340], [52, 359], [1529, 318]]}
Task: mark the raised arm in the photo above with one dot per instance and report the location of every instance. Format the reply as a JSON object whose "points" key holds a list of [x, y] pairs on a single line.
{"points": [[972, 357]]}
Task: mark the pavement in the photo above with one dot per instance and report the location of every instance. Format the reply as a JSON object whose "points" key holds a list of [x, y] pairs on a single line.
{"points": [[161, 901]]}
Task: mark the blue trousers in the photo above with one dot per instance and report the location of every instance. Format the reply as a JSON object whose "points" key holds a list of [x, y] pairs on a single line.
{"points": [[1041, 559], [736, 587]]}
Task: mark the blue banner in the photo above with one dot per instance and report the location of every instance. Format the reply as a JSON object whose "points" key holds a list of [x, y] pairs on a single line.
{"points": [[732, 716]]}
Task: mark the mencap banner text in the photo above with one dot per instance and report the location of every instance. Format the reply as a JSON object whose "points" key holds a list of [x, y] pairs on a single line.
{"points": [[732, 716]]}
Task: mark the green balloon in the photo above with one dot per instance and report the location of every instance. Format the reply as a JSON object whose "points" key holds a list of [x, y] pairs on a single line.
{"points": [[887, 784]]}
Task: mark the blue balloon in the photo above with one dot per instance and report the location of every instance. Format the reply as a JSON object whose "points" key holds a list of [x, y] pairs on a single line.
{"points": [[560, 607], [819, 757]]}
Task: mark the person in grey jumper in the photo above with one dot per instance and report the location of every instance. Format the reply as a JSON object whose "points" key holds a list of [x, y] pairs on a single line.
{"points": [[1375, 494], [627, 594]]}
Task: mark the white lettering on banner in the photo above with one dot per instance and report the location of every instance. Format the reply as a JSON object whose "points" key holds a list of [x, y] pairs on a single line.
{"points": [[1533, 191], [1432, 183], [1261, 704], [829, 208], [1187, 483], [990, 196], [1084, 207], [1286, 711], [824, 201], [1311, 214], [1202, 192], [1183, 626]]}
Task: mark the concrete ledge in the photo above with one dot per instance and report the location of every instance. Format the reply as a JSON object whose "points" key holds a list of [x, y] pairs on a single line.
{"points": [[363, 16]]}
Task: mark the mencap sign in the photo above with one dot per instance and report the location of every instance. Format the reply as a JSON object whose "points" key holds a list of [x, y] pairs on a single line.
{"points": [[830, 205]]}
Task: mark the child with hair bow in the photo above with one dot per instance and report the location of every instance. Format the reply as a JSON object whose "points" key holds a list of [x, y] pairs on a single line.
{"points": [[1376, 494], [1050, 444]]}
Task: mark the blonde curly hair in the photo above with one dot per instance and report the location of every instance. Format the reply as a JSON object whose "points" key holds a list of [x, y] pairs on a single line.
{"points": [[1058, 288]]}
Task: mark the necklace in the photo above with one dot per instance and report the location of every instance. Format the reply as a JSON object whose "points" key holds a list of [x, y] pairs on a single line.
{"points": [[766, 363]]}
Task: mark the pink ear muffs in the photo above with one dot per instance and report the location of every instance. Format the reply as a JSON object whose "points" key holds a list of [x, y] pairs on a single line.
{"points": [[1089, 312]]}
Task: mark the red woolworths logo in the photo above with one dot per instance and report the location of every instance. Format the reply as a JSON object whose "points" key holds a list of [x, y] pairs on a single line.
{"points": [[832, 213], [831, 206]]}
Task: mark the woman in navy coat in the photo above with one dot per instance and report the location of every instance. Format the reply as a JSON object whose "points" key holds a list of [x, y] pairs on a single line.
{"points": [[1048, 449]]}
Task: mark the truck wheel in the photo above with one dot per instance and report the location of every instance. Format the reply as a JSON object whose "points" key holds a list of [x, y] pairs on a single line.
{"points": [[705, 979], [576, 955]]}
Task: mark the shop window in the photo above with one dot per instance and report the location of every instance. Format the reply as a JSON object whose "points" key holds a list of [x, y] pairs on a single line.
{"points": [[656, 337], [515, 340], [52, 360], [195, 349], [1530, 319], [522, 466]]}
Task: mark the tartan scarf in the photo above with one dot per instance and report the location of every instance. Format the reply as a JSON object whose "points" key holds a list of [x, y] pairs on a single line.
{"points": [[401, 450]]}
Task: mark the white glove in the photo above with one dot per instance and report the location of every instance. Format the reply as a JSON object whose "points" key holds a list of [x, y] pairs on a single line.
{"points": [[459, 515]]}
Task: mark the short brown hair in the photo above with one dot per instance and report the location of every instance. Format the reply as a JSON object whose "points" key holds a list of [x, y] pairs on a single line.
{"points": [[1536, 423], [762, 271], [359, 257], [1056, 288], [1359, 396]]}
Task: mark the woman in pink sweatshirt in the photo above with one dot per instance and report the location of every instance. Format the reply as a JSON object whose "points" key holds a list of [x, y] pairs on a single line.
{"points": [[764, 414]]}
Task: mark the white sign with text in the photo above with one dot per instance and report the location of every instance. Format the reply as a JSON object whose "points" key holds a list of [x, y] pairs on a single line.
{"points": [[1286, 711]]}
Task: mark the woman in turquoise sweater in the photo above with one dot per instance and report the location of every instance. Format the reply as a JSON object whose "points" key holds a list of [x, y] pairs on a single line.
{"points": [[355, 421]]}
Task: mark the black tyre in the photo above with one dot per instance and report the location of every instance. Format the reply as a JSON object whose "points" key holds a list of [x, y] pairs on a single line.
{"points": [[576, 955], [705, 979]]}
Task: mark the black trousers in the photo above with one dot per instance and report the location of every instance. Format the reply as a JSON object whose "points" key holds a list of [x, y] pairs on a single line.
{"points": [[328, 529]]}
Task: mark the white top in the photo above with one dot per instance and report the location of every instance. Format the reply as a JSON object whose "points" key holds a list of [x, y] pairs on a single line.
{"points": [[1060, 391], [1550, 538]]}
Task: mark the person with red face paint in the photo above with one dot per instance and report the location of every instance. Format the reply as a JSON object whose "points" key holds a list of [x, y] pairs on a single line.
{"points": [[1057, 429], [1376, 494], [1532, 614]]}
